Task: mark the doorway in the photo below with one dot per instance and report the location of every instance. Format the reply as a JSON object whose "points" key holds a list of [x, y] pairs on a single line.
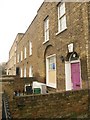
{"points": [[75, 75], [73, 72], [51, 71]]}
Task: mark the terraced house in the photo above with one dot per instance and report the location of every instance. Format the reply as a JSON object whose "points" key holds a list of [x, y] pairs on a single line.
{"points": [[56, 46], [11, 64]]}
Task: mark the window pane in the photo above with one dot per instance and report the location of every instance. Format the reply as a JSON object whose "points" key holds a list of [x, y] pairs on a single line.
{"points": [[30, 71], [30, 47], [46, 29], [61, 17], [64, 21], [47, 24], [62, 9], [47, 34], [52, 63]]}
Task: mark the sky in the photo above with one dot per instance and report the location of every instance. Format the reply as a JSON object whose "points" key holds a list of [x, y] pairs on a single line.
{"points": [[15, 17]]}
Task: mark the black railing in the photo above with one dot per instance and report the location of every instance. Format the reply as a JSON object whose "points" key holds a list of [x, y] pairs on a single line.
{"points": [[6, 115]]}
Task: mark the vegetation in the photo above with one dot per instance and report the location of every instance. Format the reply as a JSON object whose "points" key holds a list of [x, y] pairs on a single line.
{"points": [[2, 69]]}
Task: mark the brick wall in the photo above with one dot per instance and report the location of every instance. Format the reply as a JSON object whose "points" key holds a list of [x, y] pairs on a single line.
{"points": [[76, 33], [11, 64], [68, 104]]}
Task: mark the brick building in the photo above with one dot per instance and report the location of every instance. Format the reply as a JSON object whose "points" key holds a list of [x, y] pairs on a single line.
{"points": [[55, 48], [11, 64]]}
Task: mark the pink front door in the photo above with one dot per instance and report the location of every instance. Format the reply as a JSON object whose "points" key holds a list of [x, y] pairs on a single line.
{"points": [[75, 75]]}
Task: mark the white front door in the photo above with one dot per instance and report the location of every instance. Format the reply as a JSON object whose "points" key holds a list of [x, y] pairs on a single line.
{"points": [[51, 71]]}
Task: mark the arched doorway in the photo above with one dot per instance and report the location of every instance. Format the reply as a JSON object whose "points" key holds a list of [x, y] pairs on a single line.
{"points": [[73, 72], [50, 66]]}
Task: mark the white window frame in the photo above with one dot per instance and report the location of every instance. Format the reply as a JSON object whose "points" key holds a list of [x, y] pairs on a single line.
{"points": [[21, 55], [30, 71], [46, 29], [24, 71], [18, 58], [61, 17], [30, 48], [25, 52], [21, 73]]}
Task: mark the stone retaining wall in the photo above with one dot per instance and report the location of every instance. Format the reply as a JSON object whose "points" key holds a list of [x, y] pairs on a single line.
{"points": [[70, 104]]}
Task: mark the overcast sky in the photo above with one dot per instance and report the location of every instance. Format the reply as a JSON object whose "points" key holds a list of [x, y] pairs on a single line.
{"points": [[15, 17]]}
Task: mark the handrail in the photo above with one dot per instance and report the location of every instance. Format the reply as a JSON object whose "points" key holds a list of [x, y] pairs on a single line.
{"points": [[6, 106]]}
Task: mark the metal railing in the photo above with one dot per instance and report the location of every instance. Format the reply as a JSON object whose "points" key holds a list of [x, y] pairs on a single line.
{"points": [[6, 107]]}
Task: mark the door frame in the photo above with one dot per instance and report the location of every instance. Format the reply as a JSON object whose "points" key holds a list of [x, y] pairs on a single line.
{"points": [[47, 68], [70, 80]]}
